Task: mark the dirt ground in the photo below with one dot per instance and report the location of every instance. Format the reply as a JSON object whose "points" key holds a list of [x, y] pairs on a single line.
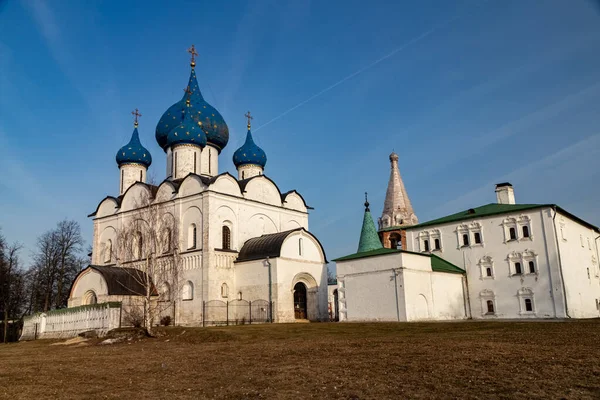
{"points": [[478, 360]]}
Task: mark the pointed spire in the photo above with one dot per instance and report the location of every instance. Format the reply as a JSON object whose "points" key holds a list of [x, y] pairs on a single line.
{"points": [[397, 209], [369, 240]]}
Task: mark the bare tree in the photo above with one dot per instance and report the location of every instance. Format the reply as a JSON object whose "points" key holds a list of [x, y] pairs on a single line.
{"points": [[11, 283], [69, 242], [147, 243], [56, 261]]}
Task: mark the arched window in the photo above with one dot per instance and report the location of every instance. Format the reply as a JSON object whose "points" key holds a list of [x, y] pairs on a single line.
{"points": [[90, 297], [528, 305], [224, 290], [300, 246], [488, 271], [490, 306], [513, 233], [531, 267], [465, 239], [108, 251], [175, 166], [226, 236], [192, 236], [426, 245], [437, 244], [139, 246], [525, 231], [187, 292], [518, 269], [167, 240], [165, 292]]}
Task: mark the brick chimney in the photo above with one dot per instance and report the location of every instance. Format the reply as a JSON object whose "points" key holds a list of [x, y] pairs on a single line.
{"points": [[505, 194]]}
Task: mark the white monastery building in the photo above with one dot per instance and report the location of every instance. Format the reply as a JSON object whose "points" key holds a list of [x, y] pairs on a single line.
{"points": [[500, 260], [236, 238]]}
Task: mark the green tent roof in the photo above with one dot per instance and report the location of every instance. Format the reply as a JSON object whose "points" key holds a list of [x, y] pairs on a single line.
{"points": [[369, 240]]}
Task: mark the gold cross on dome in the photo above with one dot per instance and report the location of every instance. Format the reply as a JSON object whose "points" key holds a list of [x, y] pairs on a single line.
{"points": [[192, 51], [135, 114], [250, 117]]}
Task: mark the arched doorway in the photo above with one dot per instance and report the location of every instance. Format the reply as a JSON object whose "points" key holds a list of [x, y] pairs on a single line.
{"points": [[336, 312], [300, 309], [395, 241]]}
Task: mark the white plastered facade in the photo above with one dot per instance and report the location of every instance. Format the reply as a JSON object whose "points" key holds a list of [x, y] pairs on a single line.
{"points": [[208, 203], [557, 275], [398, 287]]}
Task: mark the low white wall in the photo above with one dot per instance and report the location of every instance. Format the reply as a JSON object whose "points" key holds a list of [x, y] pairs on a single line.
{"points": [[69, 322]]}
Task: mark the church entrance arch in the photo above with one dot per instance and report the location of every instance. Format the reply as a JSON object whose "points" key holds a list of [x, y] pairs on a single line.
{"points": [[300, 304], [305, 295]]}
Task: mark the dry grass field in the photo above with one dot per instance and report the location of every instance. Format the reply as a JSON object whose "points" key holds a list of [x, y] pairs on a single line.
{"points": [[298, 361]]}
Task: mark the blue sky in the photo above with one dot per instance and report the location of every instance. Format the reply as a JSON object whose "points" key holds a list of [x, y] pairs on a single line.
{"points": [[468, 93]]}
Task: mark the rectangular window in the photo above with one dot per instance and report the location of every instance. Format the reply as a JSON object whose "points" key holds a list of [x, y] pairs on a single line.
{"points": [[528, 305], [465, 239], [518, 269], [531, 267], [525, 231], [477, 237], [426, 245], [300, 246], [195, 163], [513, 233]]}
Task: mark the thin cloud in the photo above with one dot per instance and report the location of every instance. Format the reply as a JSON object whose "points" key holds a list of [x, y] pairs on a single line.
{"points": [[360, 71], [527, 173]]}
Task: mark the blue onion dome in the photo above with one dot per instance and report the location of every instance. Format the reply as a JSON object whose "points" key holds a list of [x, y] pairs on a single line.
{"points": [[249, 153], [187, 131], [211, 121], [134, 152]]}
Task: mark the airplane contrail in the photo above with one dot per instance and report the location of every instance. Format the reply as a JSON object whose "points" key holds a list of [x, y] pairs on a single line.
{"points": [[360, 71]]}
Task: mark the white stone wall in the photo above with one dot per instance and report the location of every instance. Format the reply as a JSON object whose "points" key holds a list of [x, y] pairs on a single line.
{"points": [[507, 289], [579, 260], [130, 174], [252, 277], [186, 159], [258, 210], [249, 170], [398, 287]]}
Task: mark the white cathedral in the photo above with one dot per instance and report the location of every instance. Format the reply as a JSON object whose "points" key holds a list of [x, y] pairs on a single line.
{"points": [[237, 237]]}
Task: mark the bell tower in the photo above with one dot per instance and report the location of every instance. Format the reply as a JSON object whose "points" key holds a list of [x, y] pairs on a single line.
{"points": [[397, 210]]}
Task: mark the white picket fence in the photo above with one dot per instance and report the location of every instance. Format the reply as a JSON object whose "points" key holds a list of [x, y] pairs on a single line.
{"points": [[69, 322]]}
